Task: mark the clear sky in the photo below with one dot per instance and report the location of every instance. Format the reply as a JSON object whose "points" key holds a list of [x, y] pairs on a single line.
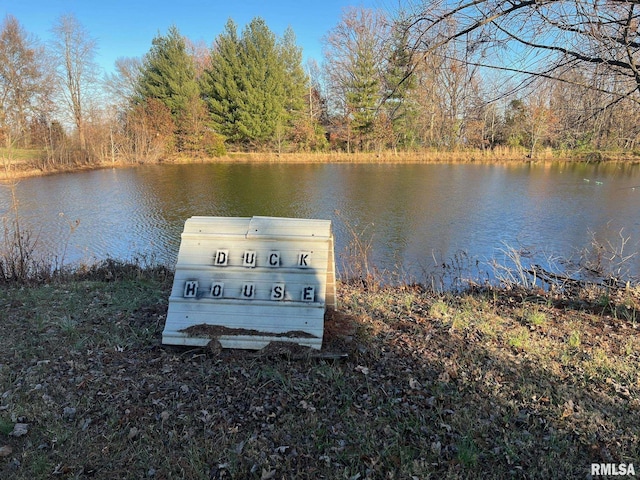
{"points": [[124, 28]]}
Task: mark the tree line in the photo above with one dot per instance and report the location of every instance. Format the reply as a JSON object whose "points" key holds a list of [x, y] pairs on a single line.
{"points": [[448, 75]]}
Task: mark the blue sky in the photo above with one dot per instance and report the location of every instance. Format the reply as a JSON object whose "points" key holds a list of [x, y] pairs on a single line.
{"points": [[126, 28]]}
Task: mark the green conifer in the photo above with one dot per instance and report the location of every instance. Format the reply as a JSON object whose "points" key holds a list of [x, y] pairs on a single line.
{"points": [[255, 84], [168, 73], [221, 83]]}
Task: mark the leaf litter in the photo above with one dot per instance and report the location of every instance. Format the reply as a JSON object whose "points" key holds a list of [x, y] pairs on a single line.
{"points": [[443, 386]]}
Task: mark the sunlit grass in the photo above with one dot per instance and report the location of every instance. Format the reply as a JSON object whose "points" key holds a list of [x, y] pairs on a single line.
{"points": [[535, 317], [19, 154]]}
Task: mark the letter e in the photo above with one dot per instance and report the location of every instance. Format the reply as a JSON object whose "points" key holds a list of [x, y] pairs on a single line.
{"points": [[308, 293]]}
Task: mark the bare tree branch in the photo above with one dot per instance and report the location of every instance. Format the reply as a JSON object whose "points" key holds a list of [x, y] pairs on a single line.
{"points": [[539, 37]]}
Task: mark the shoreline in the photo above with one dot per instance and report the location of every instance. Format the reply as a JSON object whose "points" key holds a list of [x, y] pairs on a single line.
{"points": [[19, 170]]}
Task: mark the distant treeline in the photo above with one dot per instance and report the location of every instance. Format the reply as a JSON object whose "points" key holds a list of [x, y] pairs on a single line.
{"points": [[382, 85]]}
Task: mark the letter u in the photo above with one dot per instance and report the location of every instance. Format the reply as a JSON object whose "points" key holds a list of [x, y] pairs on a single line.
{"points": [[247, 290]]}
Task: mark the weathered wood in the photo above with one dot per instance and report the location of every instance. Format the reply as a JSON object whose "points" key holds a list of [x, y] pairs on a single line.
{"points": [[259, 278]]}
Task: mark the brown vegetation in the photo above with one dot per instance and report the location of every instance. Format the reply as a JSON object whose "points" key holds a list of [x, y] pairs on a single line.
{"points": [[27, 162], [489, 384]]}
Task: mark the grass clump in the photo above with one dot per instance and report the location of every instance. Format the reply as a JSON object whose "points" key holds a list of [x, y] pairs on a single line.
{"points": [[6, 426], [519, 339], [536, 318], [574, 339]]}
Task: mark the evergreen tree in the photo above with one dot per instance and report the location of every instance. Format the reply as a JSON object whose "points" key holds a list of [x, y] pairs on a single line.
{"points": [[255, 84], [168, 74], [363, 94], [263, 109], [399, 86], [221, 83], [355, 57], [296, 81]]}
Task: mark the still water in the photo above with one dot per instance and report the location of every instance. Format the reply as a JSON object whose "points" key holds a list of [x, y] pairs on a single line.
{"points": [[415, 217]]}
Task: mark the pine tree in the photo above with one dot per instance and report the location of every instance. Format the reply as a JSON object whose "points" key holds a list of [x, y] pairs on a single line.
{"points": [[399, 86], [355, 56], [262, 83], [168, 74], [363, 95], [296, 80], [255, 84], [221, 83]]}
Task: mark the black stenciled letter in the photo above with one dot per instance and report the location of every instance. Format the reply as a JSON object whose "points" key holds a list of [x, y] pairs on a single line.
{"points": [[277, 291], [248, 290], [308, 293], [249, 259], [190, 289], [217, 289], [274, 259], [304, 259], [221, 257]]}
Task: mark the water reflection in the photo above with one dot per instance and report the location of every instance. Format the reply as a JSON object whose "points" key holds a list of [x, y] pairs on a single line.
{"points": [[418, 215]]}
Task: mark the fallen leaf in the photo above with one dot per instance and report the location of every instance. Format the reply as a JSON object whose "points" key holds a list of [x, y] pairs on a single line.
{"points": [[363, 370], [568, 409], [69, 413], [19, 429], [5, 451], [436, 448], [267, 474], [307, 406]]}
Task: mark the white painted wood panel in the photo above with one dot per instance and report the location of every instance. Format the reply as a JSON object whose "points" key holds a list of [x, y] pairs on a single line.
{"points": [[250, 281]]}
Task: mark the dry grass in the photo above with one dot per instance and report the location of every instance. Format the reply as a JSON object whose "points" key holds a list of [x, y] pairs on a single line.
{"points": [[501, 154], [23, 163], [490, 384]]}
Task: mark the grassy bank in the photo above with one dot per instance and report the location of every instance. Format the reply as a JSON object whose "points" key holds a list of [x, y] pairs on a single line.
{"points": [[481, 385], [24, 163]]}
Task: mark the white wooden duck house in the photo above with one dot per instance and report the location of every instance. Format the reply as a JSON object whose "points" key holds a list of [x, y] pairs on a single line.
{"points": [[247, 282]]}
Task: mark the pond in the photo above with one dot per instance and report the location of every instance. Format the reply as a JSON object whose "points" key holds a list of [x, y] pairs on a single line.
{"points": [[417, 221]]}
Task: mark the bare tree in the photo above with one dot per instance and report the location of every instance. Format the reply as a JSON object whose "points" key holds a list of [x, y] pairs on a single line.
{"points": [[201, 54], [24, 82], [74, 52], [121, 85], [355, 61], [541, 38]]}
